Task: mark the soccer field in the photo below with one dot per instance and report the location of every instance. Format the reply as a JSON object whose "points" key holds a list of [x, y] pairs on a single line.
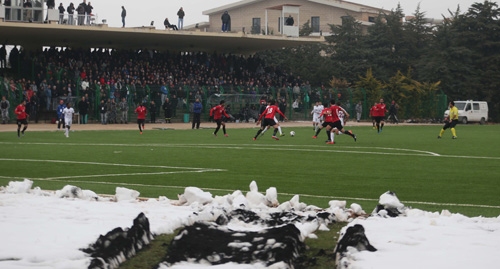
{"points": [[459, 175]]}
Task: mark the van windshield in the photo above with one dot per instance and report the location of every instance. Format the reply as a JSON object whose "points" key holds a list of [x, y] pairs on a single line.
{"points": [[460, 106]]}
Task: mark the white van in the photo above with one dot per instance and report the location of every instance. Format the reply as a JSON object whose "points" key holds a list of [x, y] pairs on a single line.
{"points": [[471, 111]]}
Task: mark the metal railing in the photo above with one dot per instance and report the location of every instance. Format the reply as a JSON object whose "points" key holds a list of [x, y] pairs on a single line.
{"points": [[38, 14]]}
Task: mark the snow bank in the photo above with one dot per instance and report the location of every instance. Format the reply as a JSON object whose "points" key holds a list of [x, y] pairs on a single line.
{"points": [[45, 229], [429, 240], [124, 194], [414, 238], [195, 195], [18, 186]]}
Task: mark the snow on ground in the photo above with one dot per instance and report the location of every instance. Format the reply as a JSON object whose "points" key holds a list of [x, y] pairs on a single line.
{"points": [[429, 240], [47, 229]]}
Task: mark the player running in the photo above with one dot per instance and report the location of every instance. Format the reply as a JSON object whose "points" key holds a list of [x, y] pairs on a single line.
{"points": [[451, 122], [68, 112], [342, 117], [269, 119], [338, 124], [141, 116], [328, 123], [373, 114], [21, 118], [381, 109], [267, 127], [217, 112], [317, 109]]}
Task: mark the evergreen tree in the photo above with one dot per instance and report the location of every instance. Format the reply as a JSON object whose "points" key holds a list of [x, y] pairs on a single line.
{"points": [[386, 45], [465, 56], [349, 53], [479, 30], [306, 61], [306, 29], [417, 37]]}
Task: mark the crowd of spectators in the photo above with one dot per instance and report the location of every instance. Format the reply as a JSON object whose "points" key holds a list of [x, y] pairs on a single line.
{"points": [[76, 15], [83, 14], [103, 74]]}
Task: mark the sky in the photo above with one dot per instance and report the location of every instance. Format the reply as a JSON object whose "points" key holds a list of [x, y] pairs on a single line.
{"points": [[141, 13], [42, 229]]}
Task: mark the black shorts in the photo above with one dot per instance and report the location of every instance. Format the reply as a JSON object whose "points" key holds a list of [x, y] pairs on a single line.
{"points": [[23, 121], [325, 124], [219, 121], [141, 121], [451, 124], [269, 122], [338, 125], [378, 119]]}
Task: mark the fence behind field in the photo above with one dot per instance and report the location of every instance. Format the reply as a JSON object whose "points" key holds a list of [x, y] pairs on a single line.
{"points": [[297, 102]]}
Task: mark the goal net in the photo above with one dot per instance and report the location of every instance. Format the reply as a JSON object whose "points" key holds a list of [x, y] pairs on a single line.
{"points": [[239, 105]]}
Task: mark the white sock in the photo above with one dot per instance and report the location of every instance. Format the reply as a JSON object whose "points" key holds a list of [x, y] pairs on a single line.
{"points": [[265, 129], [67, 132], [279, 129], [332, 136]]}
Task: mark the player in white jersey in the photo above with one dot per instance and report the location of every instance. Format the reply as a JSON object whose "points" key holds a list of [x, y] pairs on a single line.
{"points": [[341, 116], [316, 112], [68, 118]]}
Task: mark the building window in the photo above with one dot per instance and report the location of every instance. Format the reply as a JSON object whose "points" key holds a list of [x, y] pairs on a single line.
{"points": [[315, 24], [371, 19], [256, 26]]}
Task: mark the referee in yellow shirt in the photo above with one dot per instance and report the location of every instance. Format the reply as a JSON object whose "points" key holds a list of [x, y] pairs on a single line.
{"points": [[451, 122]]}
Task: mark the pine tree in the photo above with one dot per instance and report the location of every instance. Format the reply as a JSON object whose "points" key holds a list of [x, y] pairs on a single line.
{"points": [[386, 45], [417, 37], [349, 53]]}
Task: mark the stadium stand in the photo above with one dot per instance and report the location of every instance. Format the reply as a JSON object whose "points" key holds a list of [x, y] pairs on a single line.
{"points": [[54, 74]]}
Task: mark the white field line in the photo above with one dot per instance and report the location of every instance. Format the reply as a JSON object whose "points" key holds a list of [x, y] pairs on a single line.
{"points": [[111, 164], [12, 177], [231, 191], [236, 146], [133, 174], [190, 169], [266, 147]]}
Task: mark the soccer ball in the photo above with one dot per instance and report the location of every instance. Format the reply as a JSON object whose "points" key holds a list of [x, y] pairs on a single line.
{"points": [[292, 133]]}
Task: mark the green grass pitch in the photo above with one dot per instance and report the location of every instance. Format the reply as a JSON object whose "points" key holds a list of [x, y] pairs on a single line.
{"points": [[459, 175]]}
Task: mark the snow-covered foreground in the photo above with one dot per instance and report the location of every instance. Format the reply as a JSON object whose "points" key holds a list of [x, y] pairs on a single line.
{"points": [[40, 229]]}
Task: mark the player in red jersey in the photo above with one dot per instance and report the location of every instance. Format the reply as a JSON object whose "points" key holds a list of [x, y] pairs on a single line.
{"points": [[269, 113], [381, 109], [337, 123], [217, 112], [327, 112], [21, 118], [141, 116], [373, 114]]}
